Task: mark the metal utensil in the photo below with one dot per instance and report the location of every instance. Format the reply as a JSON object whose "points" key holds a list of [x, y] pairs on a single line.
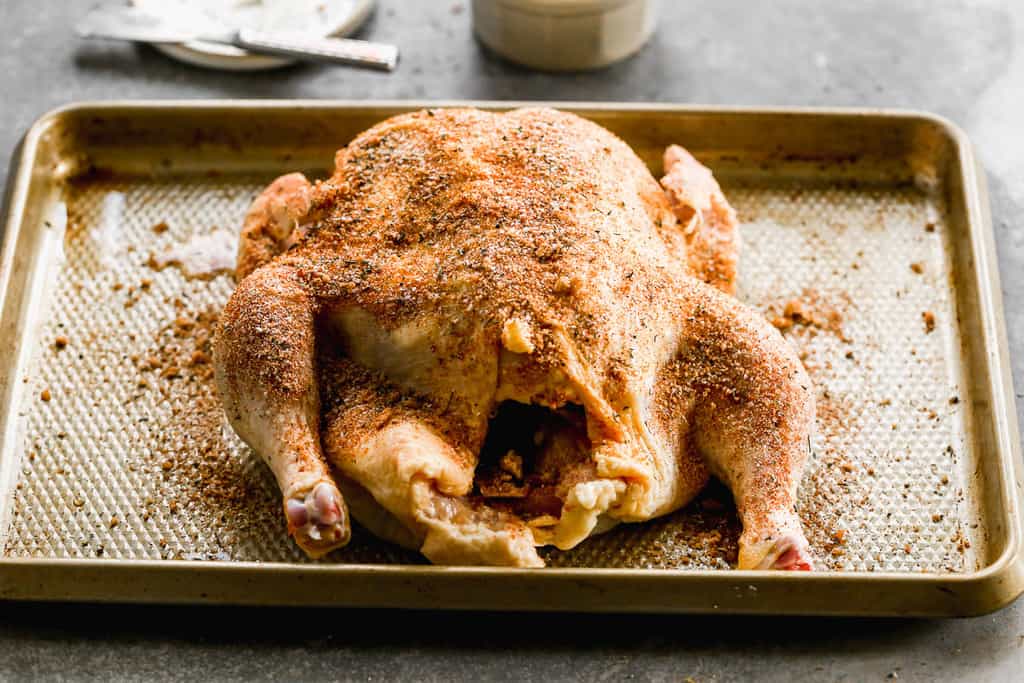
{"points": [[113, 22]]}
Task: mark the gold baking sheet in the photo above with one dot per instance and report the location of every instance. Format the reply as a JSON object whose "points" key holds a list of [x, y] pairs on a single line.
{"points": [[129, 459]]}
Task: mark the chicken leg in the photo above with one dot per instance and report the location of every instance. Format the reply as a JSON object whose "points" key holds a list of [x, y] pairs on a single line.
{"points": [[265, 351]]}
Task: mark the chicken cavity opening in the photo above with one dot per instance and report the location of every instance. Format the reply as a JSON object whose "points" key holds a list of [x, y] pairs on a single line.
{"points": [[535, 464]]}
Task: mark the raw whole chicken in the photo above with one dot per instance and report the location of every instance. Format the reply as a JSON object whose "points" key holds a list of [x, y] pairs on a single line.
{"points": [[460, 261]]}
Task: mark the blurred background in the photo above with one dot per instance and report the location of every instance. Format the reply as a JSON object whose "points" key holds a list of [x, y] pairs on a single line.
{"points": [[961, 59]]}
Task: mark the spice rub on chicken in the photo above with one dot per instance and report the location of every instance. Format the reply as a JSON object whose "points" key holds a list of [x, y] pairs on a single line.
{"points": [[458, 261]]}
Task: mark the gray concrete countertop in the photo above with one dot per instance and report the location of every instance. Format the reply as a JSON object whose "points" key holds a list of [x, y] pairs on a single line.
{"points": [[960, 58]]}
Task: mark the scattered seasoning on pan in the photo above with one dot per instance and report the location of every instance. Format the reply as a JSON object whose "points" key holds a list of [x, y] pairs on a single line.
{"points": [[917, 267], [808, 311], [929, 321], [194, 469], [60, 342], [45, 395], [160, 227]]}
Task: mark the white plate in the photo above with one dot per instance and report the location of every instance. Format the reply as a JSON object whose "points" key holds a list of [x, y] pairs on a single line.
{"points": [[318, 18]]}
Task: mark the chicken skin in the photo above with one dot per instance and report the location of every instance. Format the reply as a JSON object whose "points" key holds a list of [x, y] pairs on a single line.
{"points": [[458, 261]]}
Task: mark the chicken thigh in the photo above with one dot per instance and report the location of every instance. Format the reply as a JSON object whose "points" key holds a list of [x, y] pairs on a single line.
{"points": [[459, 260]]}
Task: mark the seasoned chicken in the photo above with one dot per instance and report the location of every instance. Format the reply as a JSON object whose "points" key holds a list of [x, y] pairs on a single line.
{"points": [[458, 261]]}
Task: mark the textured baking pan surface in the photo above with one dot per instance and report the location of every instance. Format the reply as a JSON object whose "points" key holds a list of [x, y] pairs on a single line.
{"points": [[117, 449]]}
